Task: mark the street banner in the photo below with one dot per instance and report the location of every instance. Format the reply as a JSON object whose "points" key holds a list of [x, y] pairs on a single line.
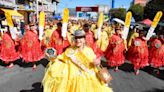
{"points": [[154, 24], [41, 24], [127, 25], [65, 22], [87, 9], [100, 24]]}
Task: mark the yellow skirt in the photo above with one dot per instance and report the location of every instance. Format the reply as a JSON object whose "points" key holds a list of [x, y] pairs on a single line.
{"points": [[67, 77]]}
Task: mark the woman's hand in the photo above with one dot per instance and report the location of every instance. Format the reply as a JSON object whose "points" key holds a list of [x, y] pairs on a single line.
{"points": [[97, 61]]}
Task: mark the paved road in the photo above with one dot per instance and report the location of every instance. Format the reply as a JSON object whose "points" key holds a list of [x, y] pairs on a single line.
{"points": [[125, 80], [23, 79]]}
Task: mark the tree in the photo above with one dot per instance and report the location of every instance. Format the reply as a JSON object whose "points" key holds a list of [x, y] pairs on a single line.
{"points": [[118, 13], [137, 12], [152, 7]]}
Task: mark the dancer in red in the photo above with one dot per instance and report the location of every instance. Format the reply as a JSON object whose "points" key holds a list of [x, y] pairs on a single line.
{"points": [[156, 52], [154, 55], [57, 40], [8, 52], [138, 52], [31, 47], [115, 50], [90, 41], [162, 52], [89, 36]]}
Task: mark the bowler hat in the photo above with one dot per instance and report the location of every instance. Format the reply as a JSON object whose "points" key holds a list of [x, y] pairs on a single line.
{"points": [[140, 27], [31, 24], [79, 33]]}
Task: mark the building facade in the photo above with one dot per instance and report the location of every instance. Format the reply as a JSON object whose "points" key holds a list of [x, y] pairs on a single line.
{"points": [[24, 11], [7, 4], [31, 8]]}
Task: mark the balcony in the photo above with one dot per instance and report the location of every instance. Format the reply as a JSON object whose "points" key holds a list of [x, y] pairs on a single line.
{"points": [[45, 2], [7, 4], [26, 7]]}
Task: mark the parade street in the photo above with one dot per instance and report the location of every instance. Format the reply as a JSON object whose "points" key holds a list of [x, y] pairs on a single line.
{"points": [[71, 45], [24, 79]]}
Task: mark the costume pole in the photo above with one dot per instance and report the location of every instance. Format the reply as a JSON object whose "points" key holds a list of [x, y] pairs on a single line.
{"points": [[65, 22], [154, 24], [41, 24], [100, 24], [127, 25]]}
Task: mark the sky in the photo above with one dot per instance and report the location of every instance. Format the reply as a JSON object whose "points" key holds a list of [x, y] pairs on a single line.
{"points": [[73, 3]]}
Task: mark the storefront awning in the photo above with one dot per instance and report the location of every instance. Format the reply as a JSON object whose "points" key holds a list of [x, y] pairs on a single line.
{"points": [[13, 13]]}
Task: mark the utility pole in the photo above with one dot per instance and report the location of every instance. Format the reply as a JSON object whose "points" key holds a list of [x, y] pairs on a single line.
{"points": [[42, 4], [37, 11], [15, 6], [113, 2]]}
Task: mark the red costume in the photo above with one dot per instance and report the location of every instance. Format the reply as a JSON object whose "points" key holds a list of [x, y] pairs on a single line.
{"points": [[161, 51], [115, 51], [138, 53], [89, 37], [58, 42], [8, 52], [31, 47], [155, 55]]}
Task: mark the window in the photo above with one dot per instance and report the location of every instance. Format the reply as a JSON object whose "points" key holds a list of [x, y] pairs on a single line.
{"points": [[21, 1]]}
